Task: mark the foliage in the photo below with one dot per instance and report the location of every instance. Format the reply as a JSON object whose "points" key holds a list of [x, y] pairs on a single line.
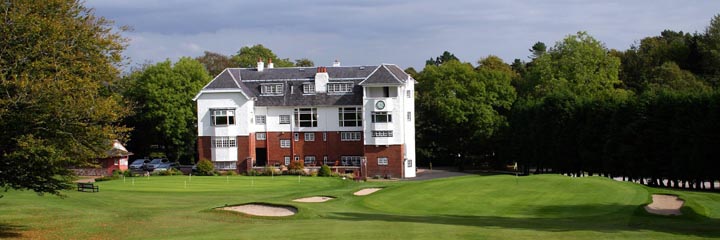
{"points": [[215, 63], [537, 50], [270, 171], [325, 171], [165, 112], [304, 62], [297, 165], [247, 57], [58, 66], [445, 57], [205, 168]]}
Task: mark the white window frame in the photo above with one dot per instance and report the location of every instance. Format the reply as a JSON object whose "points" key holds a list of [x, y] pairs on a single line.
{"points": [[357, 121], [284, 143], [340, 87], [409, 116], [324, 136], [325, 160], [350, 160], [261, 136], [408, 93], [382, 133], [222, 113], [287, 160], [350, 136], [296, 136], [223, 142], [409, 163], [382, 161], [260, 119], [310, 160], [271, 89], [381, 117], [313, 117], [232, 165], [308, 88], [309, 137], [284, 119]]}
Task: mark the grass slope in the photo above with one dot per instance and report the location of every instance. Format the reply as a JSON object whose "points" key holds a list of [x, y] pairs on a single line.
{"points": [[470, 207]]}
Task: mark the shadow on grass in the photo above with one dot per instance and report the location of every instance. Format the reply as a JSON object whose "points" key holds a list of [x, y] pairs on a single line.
{"points": [[614, 221], [9, 231]]}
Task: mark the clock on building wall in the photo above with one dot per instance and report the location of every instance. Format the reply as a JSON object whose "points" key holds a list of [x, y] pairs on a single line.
{"points": [[380, 105]]}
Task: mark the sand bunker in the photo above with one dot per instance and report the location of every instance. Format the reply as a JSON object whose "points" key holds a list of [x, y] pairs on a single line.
{"points": [[366, 191], [314, 199], [263, 210], [665, 205]]}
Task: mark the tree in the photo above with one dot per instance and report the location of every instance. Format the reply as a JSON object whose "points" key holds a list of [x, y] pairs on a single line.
{"points": [[578, 64], [445, 57], [460, 109], [247, 57], [670, 77], [165, 111], [537, 50], [304, 62], [57, 63], [215, 63]]}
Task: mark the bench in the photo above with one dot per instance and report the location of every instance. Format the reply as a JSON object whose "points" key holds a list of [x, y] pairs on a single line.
{"points": [[81, 187]]}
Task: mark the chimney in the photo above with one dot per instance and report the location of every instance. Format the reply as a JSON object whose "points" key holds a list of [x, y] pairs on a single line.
{"points": [[321, 80], [260, 65], [336, 63], [270, 64]]}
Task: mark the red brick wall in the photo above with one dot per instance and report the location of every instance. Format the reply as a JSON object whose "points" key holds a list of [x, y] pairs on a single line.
{"points": [[246, 150], [203, 146], [333, 147], [394, 153]]}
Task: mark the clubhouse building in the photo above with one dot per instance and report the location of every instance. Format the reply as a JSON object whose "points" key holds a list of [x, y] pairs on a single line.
{"points": [[355, 119]]}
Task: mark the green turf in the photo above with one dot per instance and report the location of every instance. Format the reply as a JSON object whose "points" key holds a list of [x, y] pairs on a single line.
{"points": [[470, 207]]}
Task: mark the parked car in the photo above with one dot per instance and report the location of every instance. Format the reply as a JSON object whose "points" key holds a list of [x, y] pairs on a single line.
{"points": [[138, 164], [166, 166], [150, 166]]}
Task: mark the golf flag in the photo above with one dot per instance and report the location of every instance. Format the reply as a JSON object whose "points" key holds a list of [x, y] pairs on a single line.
{"points": [[515, 166]]}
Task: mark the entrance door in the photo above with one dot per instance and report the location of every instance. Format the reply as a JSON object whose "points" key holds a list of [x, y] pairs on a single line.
{"points": [[260, 157]]}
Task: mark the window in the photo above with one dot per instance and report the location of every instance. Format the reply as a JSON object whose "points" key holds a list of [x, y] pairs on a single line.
{"points": [[383, 161], [224, 142], [260, 136], [284, 119], [287, 160], [408, 93], [409, 161], [350, 160], [325, 160], [271, 89], [409, 116], [309, 88], [284, 143], [309, 160], [382, 133], [222, 117], [296, 136], [324, 137], [297, 158], [306, 117], [309, 137], [225, 165], [382, 92], [350, 117], [339, 87], [381, 117], [260, 119], [117, 162], [350, 136]]}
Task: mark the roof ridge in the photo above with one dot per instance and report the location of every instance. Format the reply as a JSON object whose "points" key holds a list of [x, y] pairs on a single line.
{"points": [[392, 74]]}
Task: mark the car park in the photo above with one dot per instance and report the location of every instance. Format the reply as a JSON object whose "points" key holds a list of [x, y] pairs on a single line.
{"points": [[138, 164], [150, 166]]}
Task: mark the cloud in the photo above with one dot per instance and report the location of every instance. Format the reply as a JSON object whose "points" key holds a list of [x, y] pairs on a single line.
{"points": [[405, 32]]}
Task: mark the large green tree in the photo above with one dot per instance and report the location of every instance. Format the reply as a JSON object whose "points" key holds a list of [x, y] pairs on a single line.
{"points": [[579, 65], [57, 60], [215, 63], [459, 109], [247, 57], [165, 113]]}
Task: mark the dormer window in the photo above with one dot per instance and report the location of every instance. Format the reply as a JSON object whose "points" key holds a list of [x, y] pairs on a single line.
{"points": [[271, 89], [309, 88], [339, 87]]}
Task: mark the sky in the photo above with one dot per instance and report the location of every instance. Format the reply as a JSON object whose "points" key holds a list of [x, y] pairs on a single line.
{"points": [[403, 32]]}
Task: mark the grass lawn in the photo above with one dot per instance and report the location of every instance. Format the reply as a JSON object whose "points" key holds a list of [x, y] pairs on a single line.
{"points": [[469, 207]]}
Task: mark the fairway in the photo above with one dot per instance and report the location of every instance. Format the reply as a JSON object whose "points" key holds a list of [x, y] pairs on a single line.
{"points": [[468, 207]]}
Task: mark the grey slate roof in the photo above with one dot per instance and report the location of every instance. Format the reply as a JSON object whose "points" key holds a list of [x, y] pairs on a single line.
{"points": [[249, 81]]}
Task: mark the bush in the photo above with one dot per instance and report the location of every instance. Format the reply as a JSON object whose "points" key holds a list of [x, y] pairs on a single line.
{"points": [[297, 165], [106, 178], [170, 172], [270, 171], [205, 168], [325, 171], [229, 173]]}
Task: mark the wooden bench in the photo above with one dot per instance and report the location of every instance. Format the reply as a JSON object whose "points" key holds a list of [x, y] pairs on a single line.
{"points": [[82, 187]]}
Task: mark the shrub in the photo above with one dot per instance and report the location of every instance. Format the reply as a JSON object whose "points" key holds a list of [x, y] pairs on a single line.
{"points": [[325, 171], [269, 171], [253, 172], [297, 165], [106, 178], [205, 168], [229, 173]]}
